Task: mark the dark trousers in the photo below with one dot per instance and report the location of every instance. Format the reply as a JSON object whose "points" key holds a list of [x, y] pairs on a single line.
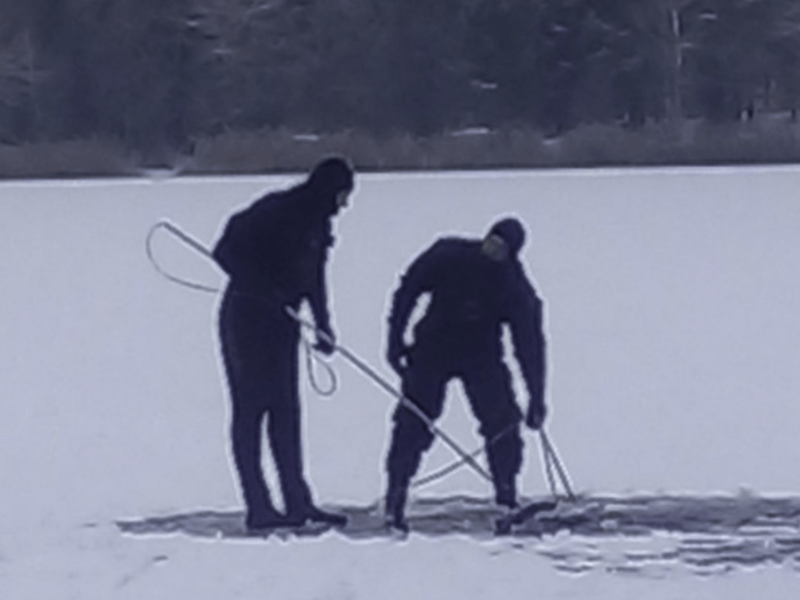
{"points": [[259, 348], [487, 383]]}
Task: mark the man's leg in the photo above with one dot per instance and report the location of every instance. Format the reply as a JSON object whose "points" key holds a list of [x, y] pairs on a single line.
{"points": [[424, 385], [246, 436], [491, 397], [284, 432], [241, 358], [284, 437]]}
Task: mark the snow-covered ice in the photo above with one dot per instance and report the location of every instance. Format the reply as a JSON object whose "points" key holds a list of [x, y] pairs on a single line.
{"points": [[672, 316]]}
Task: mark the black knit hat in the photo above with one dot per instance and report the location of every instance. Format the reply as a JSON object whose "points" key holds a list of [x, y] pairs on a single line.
{"points": [[331, 175], [512, 232]]}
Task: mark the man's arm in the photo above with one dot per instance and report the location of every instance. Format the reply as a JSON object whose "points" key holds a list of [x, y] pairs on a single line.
{"points": [[318, 289], [420, 277], [527, 332]]}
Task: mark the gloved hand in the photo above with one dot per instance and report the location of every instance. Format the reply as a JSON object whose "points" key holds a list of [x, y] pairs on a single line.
{"points": [[326, 340], [397, 356], [537, 412]]}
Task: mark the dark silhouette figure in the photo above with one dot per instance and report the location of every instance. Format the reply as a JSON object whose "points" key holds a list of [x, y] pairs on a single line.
{"points": [[275, 252], [475, 287]]}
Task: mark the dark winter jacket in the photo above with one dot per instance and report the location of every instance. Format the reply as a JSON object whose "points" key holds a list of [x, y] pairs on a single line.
{"points": [[472, 296], [276, 249]]}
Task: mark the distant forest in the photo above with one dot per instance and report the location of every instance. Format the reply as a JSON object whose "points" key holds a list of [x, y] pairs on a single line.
{"points": [[162, 73]]}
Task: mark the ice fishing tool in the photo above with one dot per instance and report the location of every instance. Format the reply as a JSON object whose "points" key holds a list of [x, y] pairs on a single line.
{"points": [[551, 461], [548, 450], [197, 246], [387, 387]]}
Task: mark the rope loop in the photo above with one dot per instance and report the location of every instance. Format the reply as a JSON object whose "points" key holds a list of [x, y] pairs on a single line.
{"points": [[311, 354], [187, 240]]}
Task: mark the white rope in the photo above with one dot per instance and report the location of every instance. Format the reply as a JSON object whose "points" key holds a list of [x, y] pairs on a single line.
{"points": [[457, 464], [187, 239]]}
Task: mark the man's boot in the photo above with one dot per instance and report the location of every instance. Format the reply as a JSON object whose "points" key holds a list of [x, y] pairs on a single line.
{"points": [[264, 517], [300, 507], [314, 514], [506, 494], [395, 509]]}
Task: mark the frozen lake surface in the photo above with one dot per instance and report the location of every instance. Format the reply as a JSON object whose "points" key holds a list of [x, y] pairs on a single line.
{"points": [[673, 329], [660, 534]]}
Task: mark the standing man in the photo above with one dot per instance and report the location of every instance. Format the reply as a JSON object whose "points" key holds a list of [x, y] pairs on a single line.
{"points": [[274, 253], [476, 286]]}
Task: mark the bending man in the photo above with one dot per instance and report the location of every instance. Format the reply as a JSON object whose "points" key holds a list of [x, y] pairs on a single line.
{"points": [[476, 286]]}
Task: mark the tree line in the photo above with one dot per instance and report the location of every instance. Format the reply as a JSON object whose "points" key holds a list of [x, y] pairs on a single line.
{"points": [[160, 73]]}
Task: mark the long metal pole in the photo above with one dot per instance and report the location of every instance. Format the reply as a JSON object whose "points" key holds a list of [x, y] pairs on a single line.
{"points": [[387, 387]]}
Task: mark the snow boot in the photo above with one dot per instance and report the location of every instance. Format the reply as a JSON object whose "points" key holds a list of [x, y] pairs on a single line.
{"points": [[264, 518], [506, 495], [314, 514], [395, 510]]}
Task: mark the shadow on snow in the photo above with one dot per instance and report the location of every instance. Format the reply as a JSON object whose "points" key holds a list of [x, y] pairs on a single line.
{"points": [[644, 535]]}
